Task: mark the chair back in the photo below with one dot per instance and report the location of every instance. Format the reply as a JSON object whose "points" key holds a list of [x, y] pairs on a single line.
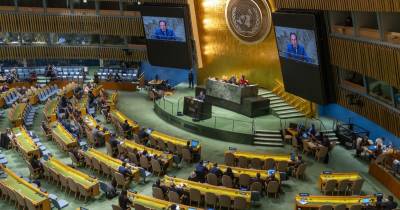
{"points": [[120, 179], [282, 166], [210, 198], [269, 164], [83, 191], [256, 186], [227, 181], [179, 150], [106, 170], [356, 187], [144, 162], [88, 162], [30, 205], [212, 179], [243, 162], [273, 187], [340, 207], [162, 146], [73, 158], [72, 185], [171, 147], [186, 155], [155, 165], [343, 185], [64, 181], [356, 207], [158, 193], [322, 152], [20, 200], [229, 159], [96, 164], [244, 180], [224, 201], [174, 197], [239, 203], [301, 170], [139, 207], [194, 195], [325, 207], [153, 141], [330, 186], [256, 163]]}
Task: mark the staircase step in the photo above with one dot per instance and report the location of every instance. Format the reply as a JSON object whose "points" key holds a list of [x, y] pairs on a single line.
{"points": [[288, 116], [267, 131], [328, 131], [263, 92], [277, 101], [268, 144], [329, 134], [268, 95], [273, 106], [282, 108], [274, 98], [287, 112], [268, 135], [263, 139]]}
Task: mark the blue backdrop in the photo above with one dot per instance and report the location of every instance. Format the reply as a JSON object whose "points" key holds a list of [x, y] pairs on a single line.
{"points": [[173, 75]]}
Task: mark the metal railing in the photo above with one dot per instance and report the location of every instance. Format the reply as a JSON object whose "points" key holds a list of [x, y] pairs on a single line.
{"points": [[216, 121]]}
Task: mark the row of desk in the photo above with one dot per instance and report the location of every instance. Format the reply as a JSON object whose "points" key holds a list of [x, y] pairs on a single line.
{"points": [[263, 157], [174, 140], [154, 203], [110, 162], [25, 143], [89, 184], [316, 201], [62, 137], [25, 189], [131, 146], [118, 118], [50, 110], [338, 176], [16, 114], [204, 188], [90, 124]]}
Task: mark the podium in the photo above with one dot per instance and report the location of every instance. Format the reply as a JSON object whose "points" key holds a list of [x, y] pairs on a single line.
{"points": [[196, 109]]}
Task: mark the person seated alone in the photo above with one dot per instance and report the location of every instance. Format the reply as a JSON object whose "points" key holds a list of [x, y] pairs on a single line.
{"points": [[390, 204], [36, 164], [124, 170], [127, 129], [201, 171], [215, 170], [123, 200], [201, 96], [229, 173], [270, 178], [163, 188], [98, 135], [258, 179], [243, 81]]}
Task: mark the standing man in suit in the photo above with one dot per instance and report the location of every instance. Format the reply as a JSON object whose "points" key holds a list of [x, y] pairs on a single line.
{"points": [[191, 79]]}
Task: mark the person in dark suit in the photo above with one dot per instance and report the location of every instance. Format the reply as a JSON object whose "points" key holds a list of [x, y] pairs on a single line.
{"points": [[123, 200], [390, 204], [124, 170], [191, 79], [229, 172], [296, 51], [158, 184], [215, 170], [163, 32]]}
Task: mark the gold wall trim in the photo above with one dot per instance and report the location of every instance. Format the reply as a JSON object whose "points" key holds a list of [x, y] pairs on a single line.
{"points": [[68, 52], [118, 26], [383, 116], [341, 5], [375, 61]]}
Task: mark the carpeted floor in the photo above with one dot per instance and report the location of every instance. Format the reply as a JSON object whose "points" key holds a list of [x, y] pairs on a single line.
{"points": [[136, 106]]}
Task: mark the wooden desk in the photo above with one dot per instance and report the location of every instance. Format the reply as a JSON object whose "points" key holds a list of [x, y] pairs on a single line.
{"points": [[96, 91], [63, 138], [251, 172], [13, 182], [204, 188], [261, 156], [315, 201], [174, 140], [111, 162], [25, 143], [385, 177], [112, 99], [82, 105], [154, 203], [119, 117], [131, 145], [339, 176], [50, 110], [91, 123], [16, 118], [124, 86], [90, 185], [67, 90]]}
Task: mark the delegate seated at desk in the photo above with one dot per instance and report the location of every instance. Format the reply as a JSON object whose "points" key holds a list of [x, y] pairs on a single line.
{"points": [[201, 96]]}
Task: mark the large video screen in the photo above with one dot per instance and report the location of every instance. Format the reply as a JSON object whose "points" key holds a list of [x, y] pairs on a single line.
{"points": [[299, 39], [164, 28], [167, 31], [297, 44]]}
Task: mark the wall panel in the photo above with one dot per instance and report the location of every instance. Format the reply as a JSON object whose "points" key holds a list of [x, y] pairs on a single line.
{"points": [[64, 52], [376, 61], [117, 26], [341, 5], [380, 114]]}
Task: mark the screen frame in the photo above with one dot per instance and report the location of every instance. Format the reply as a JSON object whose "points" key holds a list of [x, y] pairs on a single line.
{"points": [[184, 48]]}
